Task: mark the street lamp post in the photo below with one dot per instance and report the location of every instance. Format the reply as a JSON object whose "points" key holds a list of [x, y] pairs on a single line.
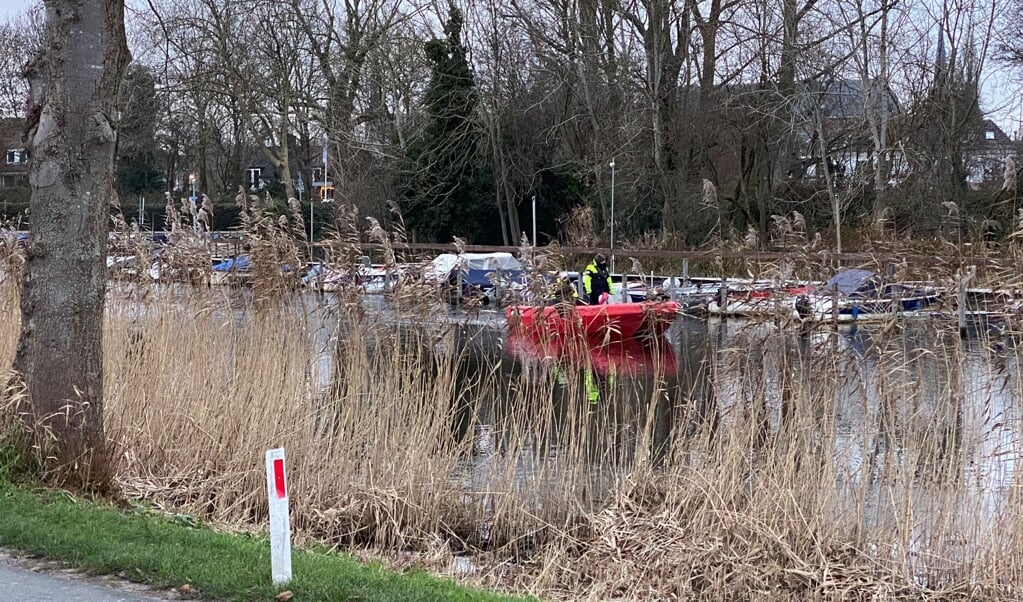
{"points": [[612, 165], [534, 220], [193, 202], [324, 191], [301, 189]]}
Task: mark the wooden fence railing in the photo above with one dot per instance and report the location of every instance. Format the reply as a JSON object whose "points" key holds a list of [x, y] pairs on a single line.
{"points": [[712, 254], [964, 256]]}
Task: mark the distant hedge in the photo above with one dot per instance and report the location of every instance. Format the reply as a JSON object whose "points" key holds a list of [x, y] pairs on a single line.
{"points": [[13, 202]]}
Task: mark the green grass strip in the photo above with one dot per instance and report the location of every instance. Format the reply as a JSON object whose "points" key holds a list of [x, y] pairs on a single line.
{"points": [[163, 552]]}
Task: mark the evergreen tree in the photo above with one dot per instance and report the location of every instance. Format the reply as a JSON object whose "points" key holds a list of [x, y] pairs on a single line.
{"points": [[140, 112], [446, 189]]}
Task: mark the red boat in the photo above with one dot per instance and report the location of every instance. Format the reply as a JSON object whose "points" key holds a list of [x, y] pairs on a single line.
{"points": [[595, 323], [624, 357]]}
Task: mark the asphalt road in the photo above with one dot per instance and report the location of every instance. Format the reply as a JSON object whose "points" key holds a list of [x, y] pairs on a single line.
{"points": [[24, 585]]}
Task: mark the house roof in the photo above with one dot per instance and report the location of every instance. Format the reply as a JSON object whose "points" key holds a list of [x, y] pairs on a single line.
{"points": [[845, 99], [989, 134]]}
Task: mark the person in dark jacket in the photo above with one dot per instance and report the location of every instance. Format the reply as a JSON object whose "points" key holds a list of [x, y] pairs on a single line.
{"points": [[597, 280]]}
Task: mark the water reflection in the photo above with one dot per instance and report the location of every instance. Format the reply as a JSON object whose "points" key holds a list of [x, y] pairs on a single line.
{"points": [[630, 357]]}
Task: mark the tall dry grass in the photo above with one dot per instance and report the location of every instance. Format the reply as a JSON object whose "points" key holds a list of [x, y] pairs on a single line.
{"points": [[774, 465], [818, 478], [10, 313]]}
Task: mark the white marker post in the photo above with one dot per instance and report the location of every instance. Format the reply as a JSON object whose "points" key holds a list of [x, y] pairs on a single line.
{"points": [[280, 522]]}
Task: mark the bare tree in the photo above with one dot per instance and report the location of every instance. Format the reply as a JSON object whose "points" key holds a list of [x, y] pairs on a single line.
{"points": [[268, 76], [578, 43], [72, 133], [241, 71], [665, 28], [345, 40], [495, 91], [202, 128], [19, 40], [872, 63]]}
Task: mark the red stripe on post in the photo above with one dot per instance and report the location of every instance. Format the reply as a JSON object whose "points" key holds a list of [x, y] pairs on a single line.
{"points": [[279, 478]]}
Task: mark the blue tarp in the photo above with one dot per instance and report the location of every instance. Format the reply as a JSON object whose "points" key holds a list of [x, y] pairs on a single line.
{"points": [[236, 264], [858, 283], [315, 273], [482, 278]]}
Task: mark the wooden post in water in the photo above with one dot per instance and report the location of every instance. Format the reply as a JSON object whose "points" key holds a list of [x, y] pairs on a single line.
{"points": [[685, 271], [834, 305], [497, 289], [458, 283], [961, 306], [723, 297], [962, 299]]}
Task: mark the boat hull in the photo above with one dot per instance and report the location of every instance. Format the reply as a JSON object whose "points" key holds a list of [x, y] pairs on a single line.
{"points": [[595, 323], [825, 308], [760, 303]]}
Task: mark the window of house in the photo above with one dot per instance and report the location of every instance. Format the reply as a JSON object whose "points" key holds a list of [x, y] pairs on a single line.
{"points": [[317, 174], [989, 135], [255, 174], [16, 156]]}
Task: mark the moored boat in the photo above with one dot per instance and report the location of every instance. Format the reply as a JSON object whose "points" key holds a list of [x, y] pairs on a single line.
{"points": [[698, 294], [231, 270], [483, 277], [761, 302], [596, 323], [856, 295], [372, 279]]}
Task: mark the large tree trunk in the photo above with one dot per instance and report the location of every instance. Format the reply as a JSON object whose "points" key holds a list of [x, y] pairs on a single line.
{"points": [[74, 85]]}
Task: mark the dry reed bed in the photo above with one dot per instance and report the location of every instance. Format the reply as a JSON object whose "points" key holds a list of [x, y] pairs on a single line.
{"points": [[772, 466], [805, 495]]}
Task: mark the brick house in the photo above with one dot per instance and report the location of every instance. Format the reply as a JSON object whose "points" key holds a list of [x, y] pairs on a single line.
{"points": [[13, 156]]}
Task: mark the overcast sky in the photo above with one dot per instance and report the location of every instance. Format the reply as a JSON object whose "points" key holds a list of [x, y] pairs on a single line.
{"points": [[13, 7]]}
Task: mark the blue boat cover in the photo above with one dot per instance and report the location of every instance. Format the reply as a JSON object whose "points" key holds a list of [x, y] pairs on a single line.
{"points": [[236, 264], [482, 278], [855, 283]]}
